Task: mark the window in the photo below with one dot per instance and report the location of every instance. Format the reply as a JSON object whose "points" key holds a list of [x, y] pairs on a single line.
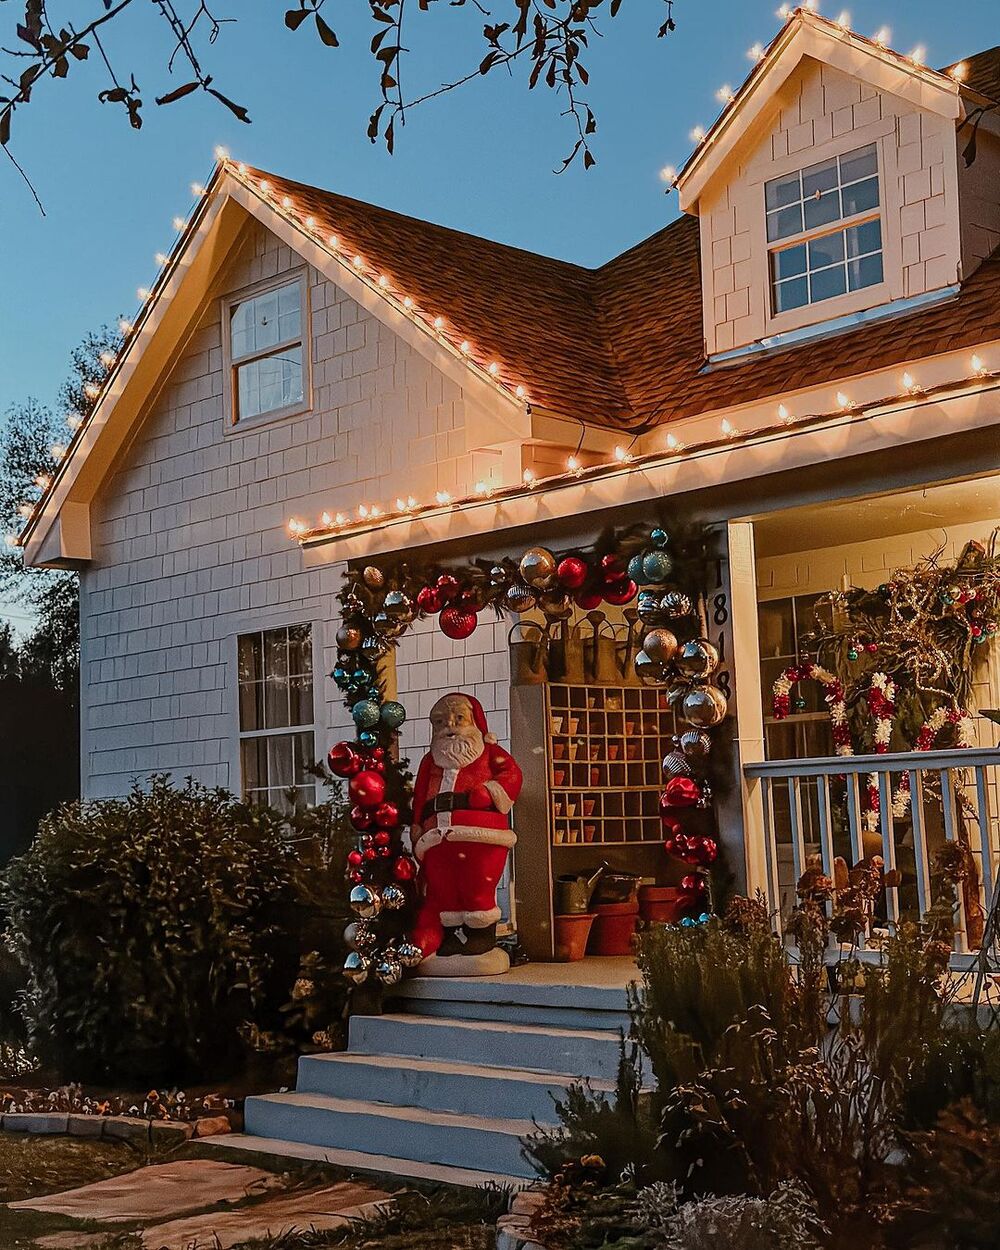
{"points": [[277, 721], [265, 342], [821, 262]]}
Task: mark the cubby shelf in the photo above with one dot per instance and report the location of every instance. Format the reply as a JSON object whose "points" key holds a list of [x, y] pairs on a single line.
{"points": [[605, 746]]}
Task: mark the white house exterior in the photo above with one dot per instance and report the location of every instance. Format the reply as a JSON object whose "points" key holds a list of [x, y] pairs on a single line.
{"points": [[808, 359]]}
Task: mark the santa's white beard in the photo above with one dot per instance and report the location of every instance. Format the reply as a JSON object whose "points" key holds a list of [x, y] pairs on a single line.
{"points": [[458, 751]]}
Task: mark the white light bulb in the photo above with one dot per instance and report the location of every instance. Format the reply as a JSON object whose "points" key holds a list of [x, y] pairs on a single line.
{"points": [[528, 477], [844, 20], [340, 519], [668, 174], [400, 505], [363, 512], [407, 302], [383, 281], [439, 324], [43, 481], [11, 540], [179, 223], [493, 368], [622, 455], [727, 428], [91, 390], [411, 503], [909, 384], [326, 519], [882, 36], [241, 169], [465, 347], [843, 401], [264, 185], [697, 134], [221, 153], [143, 293], [672, 443], [57, 451], [333, 241], [286, 202], [374, 511], [107, 359], [197, 190], [357, 262], [959, 72], [784, 11], [74, 421], [310, 223], [25, 510], [125, 326], [783, 414], [573, 464], [443, 497], [725, 94], [755, 52], [978, 368], [520, 392], [919, 55], [482, 488], [293, 526]]}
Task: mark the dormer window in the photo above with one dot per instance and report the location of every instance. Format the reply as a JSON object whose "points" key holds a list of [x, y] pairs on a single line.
{"points": [[266, 358], [824, 231]]}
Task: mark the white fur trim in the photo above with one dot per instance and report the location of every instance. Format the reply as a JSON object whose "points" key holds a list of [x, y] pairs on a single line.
{"points": [[451, 919], [482, 919], [426, 840], [476, 833], [501, 799]]}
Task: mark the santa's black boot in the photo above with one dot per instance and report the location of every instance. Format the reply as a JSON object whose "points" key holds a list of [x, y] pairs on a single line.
{"points": [[453, 942], [479, 941]]}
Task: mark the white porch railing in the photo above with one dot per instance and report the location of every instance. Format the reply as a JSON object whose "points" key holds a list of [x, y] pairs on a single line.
{"points": [[818, 806]]}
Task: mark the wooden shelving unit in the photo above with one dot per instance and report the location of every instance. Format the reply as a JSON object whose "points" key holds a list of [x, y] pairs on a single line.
{"points": [[604, 749]]}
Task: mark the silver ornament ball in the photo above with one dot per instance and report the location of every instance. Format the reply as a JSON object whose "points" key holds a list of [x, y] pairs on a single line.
{"points": [[409, 954], [538, 567], [393, 897], [398, 607], [697, 658], [649, 671], [388, 969], [675, 603], [704, 706], [365, 902], [518, 598], [696, 744], [357, 967]]}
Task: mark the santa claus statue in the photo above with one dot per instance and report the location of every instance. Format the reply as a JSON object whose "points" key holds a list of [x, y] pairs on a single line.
{"points": [[465, 788]]}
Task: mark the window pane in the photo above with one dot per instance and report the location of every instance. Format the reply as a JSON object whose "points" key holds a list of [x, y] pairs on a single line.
{"points": [[774, 622], [264, 320], [270, 383], [828, 250], [251, 705], [299, 649], [300, 695], [304, 751], [791, 294], [253, 763], [790, 261], [250, 669], [860, 198], [784, 222], [822, 209], [859, 164], [865, 272], [828, 282], [276, 653], [280, 760], [251, 657], [782, 191], [864, 238], [822, 177]]}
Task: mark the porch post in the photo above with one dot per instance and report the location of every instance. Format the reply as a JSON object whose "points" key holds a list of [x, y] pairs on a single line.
{"points": [[741, 811]]}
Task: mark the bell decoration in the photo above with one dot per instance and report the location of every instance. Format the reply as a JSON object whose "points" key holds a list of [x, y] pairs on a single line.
{"points": [[389, 970], [409, 954], [392, 714], [676, 764], [675, 603], [457, 623], [405, 868], [373, 577], [448, 587], [365, 902], [365, 714], [656, 567], [430, 600], [660, 645], [650, 611], [572, 572], [680, 792], [649, 671], [343, 760], [538, 567], [705, 706], [367, 788], [623, 591], [398, 607], [696, 744], [349, 637], [393, 897], [357, 967], [518, 598], [697, 658]]}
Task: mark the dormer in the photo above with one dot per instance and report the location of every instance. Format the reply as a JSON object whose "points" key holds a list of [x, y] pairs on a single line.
{"points": [[831, 190]]}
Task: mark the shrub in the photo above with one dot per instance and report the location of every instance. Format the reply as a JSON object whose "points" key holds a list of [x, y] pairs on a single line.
{"points": [[786, 1220], [158, 929]]}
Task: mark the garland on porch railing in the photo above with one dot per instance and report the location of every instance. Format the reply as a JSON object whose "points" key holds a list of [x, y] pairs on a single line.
{"points": [[664, 571]]}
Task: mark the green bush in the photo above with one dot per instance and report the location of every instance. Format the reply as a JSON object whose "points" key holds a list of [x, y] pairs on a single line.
{"points": [[161, 930]]}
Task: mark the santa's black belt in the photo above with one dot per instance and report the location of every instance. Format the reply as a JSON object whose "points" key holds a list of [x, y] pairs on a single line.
{"points": [[453, 801]]}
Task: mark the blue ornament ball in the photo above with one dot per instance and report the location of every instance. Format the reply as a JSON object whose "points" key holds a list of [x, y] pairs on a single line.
{"points": [[656, 566], [635, 570], [365, 714], [367, 738], [659, 538], [393, 714], [687, 922], [341, 676], [704, 918], [360, 677]]}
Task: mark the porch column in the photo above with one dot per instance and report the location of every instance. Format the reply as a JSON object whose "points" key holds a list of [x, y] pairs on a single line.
{"points": [[741, 812]]}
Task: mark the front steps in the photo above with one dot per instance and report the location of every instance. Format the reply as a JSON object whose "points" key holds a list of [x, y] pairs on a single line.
{"points": [[425, 1092]]}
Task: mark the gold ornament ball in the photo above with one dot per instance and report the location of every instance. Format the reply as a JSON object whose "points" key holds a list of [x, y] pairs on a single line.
{"points": [[409, 954], [538, 567], [389, 970], [697, 658], [373, 577], [393, 898], [365, 902], [704, 707], [660, 645], [349, 638], [649, 671], [398, 607]]}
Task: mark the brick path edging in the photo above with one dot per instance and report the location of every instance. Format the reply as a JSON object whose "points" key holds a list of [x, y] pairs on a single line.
{"points": [[514, 1231], [106, 1127]]}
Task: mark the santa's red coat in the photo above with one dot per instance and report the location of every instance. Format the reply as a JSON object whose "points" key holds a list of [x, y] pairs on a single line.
{"points": [[481, 820]]}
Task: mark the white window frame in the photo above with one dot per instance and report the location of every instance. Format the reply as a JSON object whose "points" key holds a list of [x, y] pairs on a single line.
{"points": [[314, 727], [234, 422]]}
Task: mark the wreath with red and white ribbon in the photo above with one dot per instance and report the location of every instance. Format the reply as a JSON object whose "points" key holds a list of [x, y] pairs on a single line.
{"points": [[929, 733], [833, 697]]}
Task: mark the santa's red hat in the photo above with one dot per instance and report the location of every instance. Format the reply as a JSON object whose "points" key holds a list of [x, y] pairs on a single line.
{"points": [[478, 715]]}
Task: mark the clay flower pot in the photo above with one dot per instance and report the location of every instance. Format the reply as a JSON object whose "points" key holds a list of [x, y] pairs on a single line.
{"points": [[571, 934]]}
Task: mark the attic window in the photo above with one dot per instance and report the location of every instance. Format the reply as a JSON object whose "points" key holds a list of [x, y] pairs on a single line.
{"points": [[817, 257], [265, 342]]}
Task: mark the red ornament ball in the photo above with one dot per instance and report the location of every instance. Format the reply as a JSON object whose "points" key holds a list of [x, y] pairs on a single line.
{"points": [[458, 623], [368, 853], [430, 600], [387, 815], [708, 850], [404, 869], [383, 837], [691, 883], [357, 876], [588, 599], [680, 792], [612, 566], [354, 858], [343, 760], [571, 572], [621, 591], [361, 818], [367, 788], [448, 587]]}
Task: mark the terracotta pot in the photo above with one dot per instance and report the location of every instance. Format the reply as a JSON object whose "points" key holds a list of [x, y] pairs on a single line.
{"points": [[661, 903], [614, 928], [571, 933]]}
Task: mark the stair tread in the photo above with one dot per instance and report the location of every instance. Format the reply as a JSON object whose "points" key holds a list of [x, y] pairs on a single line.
{"points": [[360, 1161], [498, 1026], [454, 1067], [358, 1106]]}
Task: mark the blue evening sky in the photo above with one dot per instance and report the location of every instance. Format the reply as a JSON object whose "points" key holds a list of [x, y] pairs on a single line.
{"points": [[481, 159]]}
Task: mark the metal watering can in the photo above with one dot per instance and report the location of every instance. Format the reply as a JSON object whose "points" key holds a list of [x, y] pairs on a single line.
{"points": [[573, 894]]}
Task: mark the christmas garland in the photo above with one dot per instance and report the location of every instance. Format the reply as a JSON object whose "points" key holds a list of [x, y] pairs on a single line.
{"points": [[926, 740], [833, 697], [663, 572]]}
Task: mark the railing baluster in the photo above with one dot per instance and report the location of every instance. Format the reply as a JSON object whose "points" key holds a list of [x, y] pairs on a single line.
{"points": [[887, 829], [771, 854], [825, 823], [854, 817], [985, 835], [795, 821], [951, 835], [919, 841]]}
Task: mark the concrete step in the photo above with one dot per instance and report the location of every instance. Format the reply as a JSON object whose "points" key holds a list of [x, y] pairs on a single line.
{"points": [[484, 1144], [569, 1052], [437, 1085], [515, 1013], [239, 1146]]}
